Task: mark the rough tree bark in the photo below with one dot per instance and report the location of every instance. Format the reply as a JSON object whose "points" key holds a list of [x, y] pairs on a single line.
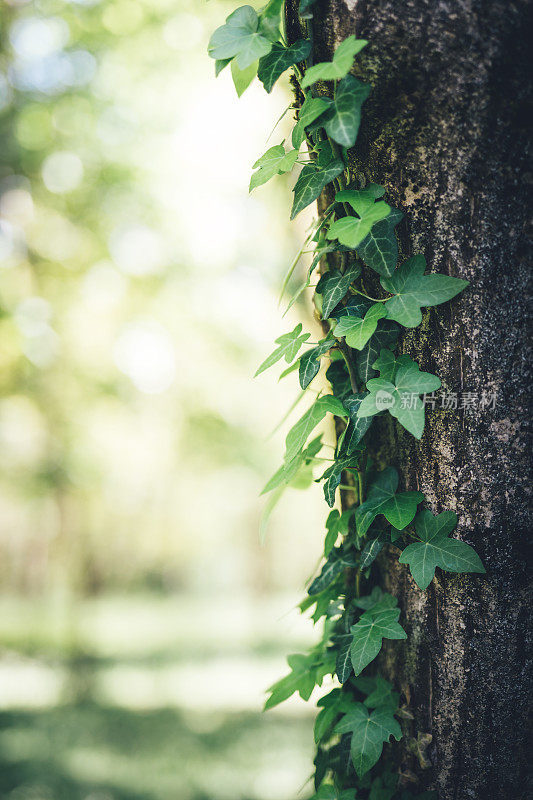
{"points": [[445, 130]]}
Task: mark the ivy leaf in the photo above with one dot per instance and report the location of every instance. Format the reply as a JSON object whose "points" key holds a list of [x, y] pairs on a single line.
{"points": [[369, 731], [289, 345], [436, 549], [312, 108], [279, 59], [220, 64], [401, 395], [307, 671], [310, 361], [340, 66], [343, 125], [371, 550], [270, 19], [412, 289], [356, 330], [274, 162], [351, 231], [242, 78], [238, 38], [381, 694], [336, 524], [333, 286], [385, 336], [368, 633], [299, 433], [357, 426], [332, 476], [310, 183], [304, 9], [287, 472], [398, 509], [336, 562], [379, 250]]}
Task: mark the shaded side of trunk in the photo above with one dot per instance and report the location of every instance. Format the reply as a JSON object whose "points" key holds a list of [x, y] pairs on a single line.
{"points": [[445, 130]]}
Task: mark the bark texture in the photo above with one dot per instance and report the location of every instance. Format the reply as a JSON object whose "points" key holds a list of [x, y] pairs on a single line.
{"points": [[445, 130]]}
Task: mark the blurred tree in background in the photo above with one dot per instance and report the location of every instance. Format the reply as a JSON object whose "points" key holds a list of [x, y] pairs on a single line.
{"points": [[138, 284]]}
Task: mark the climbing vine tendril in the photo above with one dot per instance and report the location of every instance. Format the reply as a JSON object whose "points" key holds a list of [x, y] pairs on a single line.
{"points": [[360, 715]]}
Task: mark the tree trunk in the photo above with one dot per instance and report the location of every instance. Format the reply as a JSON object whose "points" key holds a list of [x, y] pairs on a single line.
{"points": [[444, 131]]}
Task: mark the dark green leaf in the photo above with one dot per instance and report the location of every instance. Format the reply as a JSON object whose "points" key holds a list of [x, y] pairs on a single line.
{"points": [[379, 250], [369, 730], [436, 549], [412, 290], [279, 59], [310, 183], [312, 108], [381, 498], [333, 286], [310, 361], [380, 622], [343, 123]]}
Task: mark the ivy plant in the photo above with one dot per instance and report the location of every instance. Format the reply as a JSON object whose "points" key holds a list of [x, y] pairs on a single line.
{"points": [[354, 240]]}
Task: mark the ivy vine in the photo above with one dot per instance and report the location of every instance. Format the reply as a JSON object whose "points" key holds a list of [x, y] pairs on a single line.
{"points": [[356, 233]]}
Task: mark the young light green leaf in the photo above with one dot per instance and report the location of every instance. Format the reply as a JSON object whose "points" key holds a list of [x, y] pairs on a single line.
{"points": [[400, 397], [312, 108], [289, 345], [336, 524], [357, 330], [412, 290], [285, 474], [398, 509], [242, 78], [436, 549], [279, 59], [367, 635], [343, 124], [274, 162], [299, 433], [379, 250], [369, 731], [333, 286], [301, 679], [310, 183], [351, 231], [270, 20], [340, 66], [239, 38]]}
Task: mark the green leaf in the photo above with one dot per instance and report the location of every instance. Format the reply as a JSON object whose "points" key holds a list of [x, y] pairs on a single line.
{"points": [[242, 78], [398, 509], [312, 108], [329, 792], [412, 290], [310, 361], [351, 231], [274, 162], [299, 433], [343, 661], [279, 59], [270, 19], [304, 9], [369, 730], [367, 635], [370, 551], [286, 473], [340, 66], [289, 345], [310, 183], [343, 125], [356, 330], [357, 426], [385, 336], [332, 476], [333, 286], [400, 397], [221, 64], [336, 524], [379, 250], [238, 38], [336, 562], [436, 549], [301, 679], [382, 694]]}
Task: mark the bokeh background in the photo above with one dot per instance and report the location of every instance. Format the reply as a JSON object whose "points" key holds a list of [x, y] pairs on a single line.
{"points": [[141, 616]]}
